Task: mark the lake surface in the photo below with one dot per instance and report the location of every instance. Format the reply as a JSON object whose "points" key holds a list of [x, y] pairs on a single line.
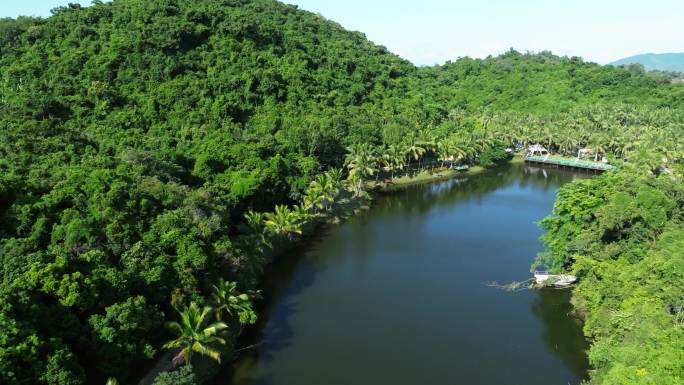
{"points": [[398, 295]]}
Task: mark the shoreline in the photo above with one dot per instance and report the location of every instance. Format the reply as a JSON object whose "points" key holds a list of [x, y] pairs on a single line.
{"points": [[444, 175], [351, 206], [251, 339], [345, 209]]}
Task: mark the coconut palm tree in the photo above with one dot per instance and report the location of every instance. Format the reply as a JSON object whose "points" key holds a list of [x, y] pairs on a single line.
{"points": [[645, 159], [466, 144], [504, 130], [567, 143], [193, 336], [394, 158], [385, 159], [314, 198], [483, 140], [256, 232], [548, 133], [254, 221], [443, 151], [255, 225], [249, 257], [427, 140], [227, 299], [598, 143], [283, 222], [415, 151], [361, 163], [301, 214], [327, 188], [429, 145], [335, 176]]}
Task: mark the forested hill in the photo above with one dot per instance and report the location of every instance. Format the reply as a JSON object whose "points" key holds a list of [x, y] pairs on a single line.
{"points": [[151, 69], [544, 83], [135, 135]]}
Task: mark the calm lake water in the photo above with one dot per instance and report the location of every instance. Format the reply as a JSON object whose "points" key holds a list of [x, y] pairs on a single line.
{"points": [[398, 295]]}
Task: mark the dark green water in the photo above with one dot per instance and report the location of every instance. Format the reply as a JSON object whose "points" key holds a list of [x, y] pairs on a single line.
{"points": [[398, 295]]}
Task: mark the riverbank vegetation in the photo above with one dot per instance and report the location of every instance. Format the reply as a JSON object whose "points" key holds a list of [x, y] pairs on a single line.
{"points": [[622, 235], [155, 152]]}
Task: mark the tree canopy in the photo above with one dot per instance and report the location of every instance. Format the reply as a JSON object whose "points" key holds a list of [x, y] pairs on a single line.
{"points": [[152, 149]]}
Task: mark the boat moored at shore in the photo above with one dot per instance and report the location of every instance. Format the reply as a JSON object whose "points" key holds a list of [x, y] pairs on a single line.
{"points": [[544, 278]]}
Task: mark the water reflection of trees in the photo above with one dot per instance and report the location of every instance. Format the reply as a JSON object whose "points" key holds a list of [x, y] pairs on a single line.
{"points": [[561, 332], [284, 279], [292, 273], [421, 199]]}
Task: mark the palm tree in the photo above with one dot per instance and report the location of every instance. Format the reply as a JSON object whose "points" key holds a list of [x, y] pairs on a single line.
{"points": [[416, 152], [385, 159], [567, 143], [314, 198], [283, 222], [482, 141], [249, 257], [394, 158], [335, 176], [644, 159], [458, 150], [598, 144], [193, 336], [301, 215], [615, 143], [504, 128], [327, 188], [548, 133], [360, 162], [443, 151], [254, 221], [256, 224], [227, 299], [427, 140], [256, 230], [465, 144]]}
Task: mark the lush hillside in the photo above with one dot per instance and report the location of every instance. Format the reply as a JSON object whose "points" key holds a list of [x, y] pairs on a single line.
{"points": [[136, 135], [152, 149], [663, 62], [543, 83]]}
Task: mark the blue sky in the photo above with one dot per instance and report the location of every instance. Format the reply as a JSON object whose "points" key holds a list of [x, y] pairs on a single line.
{"points": [[434, 31]]}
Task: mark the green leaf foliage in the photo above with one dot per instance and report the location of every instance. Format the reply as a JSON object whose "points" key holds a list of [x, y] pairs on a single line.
{"points": [[622, 234], [181, 376], [151, 151]]}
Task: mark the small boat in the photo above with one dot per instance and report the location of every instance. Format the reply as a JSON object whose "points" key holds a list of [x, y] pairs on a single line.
{"points": [[565, 280], [544, 278], [463, 167]]}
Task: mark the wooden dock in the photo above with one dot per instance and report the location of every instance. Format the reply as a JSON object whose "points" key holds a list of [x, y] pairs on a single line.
{"points": [[569, 163]]}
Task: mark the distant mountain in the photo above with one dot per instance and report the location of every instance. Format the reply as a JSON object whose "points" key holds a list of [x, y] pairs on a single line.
{"points": [[652, 61]]}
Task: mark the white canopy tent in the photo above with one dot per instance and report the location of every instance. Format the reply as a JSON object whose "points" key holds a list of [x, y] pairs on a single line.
{"points": [[588, 152], [537, 150]]}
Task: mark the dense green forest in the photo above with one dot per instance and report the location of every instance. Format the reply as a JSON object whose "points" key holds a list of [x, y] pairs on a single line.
{"points": [[623, 234], [155, 155]]}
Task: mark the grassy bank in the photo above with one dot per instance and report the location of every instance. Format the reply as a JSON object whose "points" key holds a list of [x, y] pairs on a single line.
{"points": [[436, 175]]}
